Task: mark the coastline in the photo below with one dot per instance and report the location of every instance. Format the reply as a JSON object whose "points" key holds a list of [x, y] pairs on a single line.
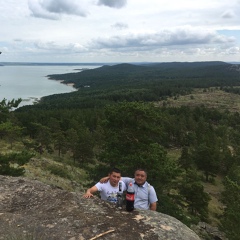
{"points": [[35, 100], [31, 83], [70, 84], [63, 82]]}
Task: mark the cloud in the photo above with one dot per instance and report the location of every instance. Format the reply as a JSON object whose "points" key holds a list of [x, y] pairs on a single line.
{"points": [[50, 10], [120, 26], [113, 3], [17, 40], [165, 38], [54, 47], [234, 50], [228, 14], [39, 12]]}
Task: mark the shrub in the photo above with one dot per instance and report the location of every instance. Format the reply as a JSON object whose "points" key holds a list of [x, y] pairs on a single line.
{"points": [[59, 171]]}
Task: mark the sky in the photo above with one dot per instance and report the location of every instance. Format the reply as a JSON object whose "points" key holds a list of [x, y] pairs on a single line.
{"points": [[102, 31]]}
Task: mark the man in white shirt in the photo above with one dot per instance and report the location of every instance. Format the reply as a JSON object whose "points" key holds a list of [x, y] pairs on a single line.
{"points": [[145, 195], [109, 189]]}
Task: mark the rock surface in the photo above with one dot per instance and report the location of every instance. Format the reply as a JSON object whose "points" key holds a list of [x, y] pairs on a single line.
{"points": [[32, 210], [207, 231]]}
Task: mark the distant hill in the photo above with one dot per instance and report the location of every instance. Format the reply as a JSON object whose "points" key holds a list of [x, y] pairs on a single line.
{"points": [[126, 73], [187, 64], [140, 82]]}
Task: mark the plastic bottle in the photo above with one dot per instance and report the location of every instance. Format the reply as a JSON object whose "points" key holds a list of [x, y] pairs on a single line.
{"points": [[120, 196], [130, 196]]}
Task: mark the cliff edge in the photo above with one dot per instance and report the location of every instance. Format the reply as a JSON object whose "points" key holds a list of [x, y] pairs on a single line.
{"points": [[29, 208]]}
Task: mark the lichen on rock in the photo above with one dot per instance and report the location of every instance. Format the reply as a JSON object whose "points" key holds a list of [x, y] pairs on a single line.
{"points": [[32, 208]]}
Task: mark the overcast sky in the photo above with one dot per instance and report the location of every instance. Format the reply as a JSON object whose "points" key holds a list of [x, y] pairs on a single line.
{"points": [[119, 30]]}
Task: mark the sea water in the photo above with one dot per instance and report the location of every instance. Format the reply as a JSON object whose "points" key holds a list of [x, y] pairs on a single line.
{"points": [[30, 83]]}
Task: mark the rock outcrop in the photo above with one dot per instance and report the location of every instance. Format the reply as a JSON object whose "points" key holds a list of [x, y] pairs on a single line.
{"points": [[30, 208], [207, 231]]}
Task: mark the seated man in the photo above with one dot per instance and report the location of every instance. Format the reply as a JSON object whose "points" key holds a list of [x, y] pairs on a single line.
{"points": [[109, 189]]}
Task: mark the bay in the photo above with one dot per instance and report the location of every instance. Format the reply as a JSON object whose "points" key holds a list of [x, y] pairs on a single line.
{"points": [[30, 82]]}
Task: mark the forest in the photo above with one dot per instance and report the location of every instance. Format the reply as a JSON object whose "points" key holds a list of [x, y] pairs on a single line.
{"points": [[120, 116]]}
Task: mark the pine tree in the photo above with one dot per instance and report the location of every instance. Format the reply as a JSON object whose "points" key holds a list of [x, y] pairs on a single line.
{"points": [[193, 193], [231, 198]]}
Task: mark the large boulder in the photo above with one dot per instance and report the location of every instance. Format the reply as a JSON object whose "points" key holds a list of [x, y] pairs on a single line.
{"points": [[30, 209]]}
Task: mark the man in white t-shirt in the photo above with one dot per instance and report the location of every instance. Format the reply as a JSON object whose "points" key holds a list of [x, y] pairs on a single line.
{"points": [[108, 190]]}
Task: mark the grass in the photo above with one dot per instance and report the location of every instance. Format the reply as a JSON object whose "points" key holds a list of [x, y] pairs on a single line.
{"points": [[59, 174], [210, 98], [215, 206], [51, 169], [5, 147], [174, 153]]}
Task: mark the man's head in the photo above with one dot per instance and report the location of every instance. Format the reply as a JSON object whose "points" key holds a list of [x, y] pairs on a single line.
{"points": [[140, 176], [114, 176]]}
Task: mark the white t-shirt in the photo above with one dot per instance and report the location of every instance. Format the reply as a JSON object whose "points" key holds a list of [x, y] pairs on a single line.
{"points": [[108, 192]]}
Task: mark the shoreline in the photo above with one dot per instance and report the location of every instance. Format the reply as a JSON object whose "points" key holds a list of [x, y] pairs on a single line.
{"points": [[62, 81], [34, 83], [35, 100]]}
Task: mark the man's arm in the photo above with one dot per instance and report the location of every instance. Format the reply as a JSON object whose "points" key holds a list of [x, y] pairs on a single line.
{"points": [[126, 180], [153, 206], [152, 196], [104, 179], [90, 192]]}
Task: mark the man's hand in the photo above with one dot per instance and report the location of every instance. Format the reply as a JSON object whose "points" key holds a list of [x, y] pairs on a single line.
{"points": [[88, 195], [104, 179], [90, 191]]}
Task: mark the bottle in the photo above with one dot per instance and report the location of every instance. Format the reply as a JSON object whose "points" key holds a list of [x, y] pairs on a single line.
{"points": [[130, 196], [119, 196]]}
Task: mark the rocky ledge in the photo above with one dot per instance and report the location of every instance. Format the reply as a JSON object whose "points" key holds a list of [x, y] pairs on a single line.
{"points": [[32, 210]]}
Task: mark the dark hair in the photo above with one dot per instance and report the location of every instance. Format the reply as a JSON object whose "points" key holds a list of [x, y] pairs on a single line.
{"points": [[141, 169], [116, 170]]}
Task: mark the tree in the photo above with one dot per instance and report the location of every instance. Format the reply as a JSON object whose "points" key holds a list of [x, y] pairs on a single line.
{"points": [[193, 192], [206, 159], [84, 149], [7, 126], [43, 137], [185, 160], [72, 142], [132, 135], [12, 163], [59, 141], [227, 159], [10, 131], [7, 106], [231, 198]]}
